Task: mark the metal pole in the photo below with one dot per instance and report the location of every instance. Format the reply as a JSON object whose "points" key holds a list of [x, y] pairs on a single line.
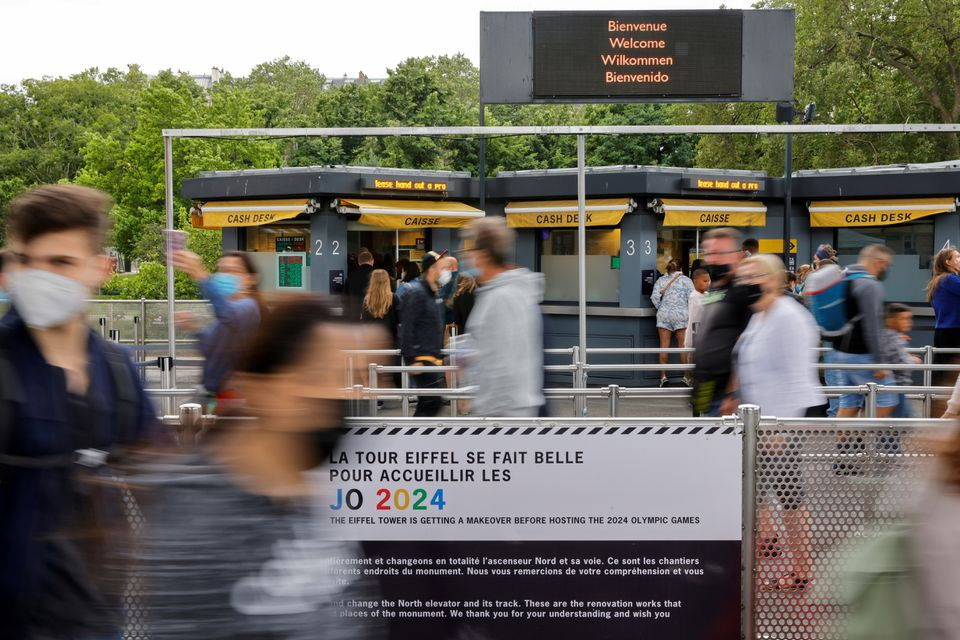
{"points": [[927, 381], [372, 383], [749, 416], [396, 246], [165, 364], [787, 200], [698, 243], [482, 169], [454, 382], [577, 382], [143, 319], [103, 327], [582, 251], [171, 296], [614, 399], [114, 335], [354, 409], [871, 401], [405, 399]]}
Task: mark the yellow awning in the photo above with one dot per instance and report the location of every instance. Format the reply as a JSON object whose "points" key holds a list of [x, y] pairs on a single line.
{"points": [[410, 214], [876, 213], [689, 212], [563, 213], [247, 213]]}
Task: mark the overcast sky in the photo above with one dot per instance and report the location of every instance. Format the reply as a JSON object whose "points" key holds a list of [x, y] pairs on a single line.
{"points": [[61, 37]]}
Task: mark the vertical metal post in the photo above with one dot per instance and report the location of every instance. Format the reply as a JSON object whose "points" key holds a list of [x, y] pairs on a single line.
{"points": [[138, 355], [348, 383], [582, 256], [405, 399], [165, 364], [143, 319], [614, 399], [372, 383], [191, 423], [396, 247], [749, 417], [114, 335], [482, 169], [103, 327], [171, 296], [870, 406], [454, 375], [577, 383], [787, 199], [698, 243], [927, 381]]}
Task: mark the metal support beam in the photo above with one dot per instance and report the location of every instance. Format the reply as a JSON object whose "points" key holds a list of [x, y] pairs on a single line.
{"points": [[749, 417], [335, 132], [582, 254], [171, 296]]}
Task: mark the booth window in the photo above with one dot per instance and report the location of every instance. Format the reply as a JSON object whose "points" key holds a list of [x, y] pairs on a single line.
{"points": [[266, 242], [913, 248], [559, 265]]}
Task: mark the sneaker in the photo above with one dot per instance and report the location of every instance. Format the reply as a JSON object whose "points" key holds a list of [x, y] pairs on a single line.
{"points": [[688, 382], [663, 381]]}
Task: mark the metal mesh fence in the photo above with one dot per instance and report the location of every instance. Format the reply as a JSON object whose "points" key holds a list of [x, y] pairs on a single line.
{"points": [[821, 491]]}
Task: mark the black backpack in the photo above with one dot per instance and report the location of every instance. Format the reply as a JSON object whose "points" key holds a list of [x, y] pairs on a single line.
{"points": [[126, 399]]}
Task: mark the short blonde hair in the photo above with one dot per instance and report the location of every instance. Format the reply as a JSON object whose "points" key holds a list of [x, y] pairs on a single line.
{"points": [[772, 264]]}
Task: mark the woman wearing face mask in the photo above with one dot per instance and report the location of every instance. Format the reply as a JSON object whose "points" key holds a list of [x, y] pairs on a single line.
{"points": [[234, 545], [775, 366], [234, 295]]}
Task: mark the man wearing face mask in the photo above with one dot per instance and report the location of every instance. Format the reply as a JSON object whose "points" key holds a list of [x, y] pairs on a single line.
{"points": [[421, 333], [506, 325], [863, 343], [69, 403], [726, 312]]}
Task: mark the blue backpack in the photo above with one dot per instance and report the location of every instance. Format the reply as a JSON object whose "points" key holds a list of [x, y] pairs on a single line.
{"points": [[827, 290]]}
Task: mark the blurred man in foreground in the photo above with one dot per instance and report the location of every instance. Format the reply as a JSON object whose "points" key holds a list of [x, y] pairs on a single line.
{"points": [[726, 312], [68, 402], [506, 327]]}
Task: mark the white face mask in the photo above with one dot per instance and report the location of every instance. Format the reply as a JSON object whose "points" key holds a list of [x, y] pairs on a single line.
{"points": [[444, 278], [44, 299]]}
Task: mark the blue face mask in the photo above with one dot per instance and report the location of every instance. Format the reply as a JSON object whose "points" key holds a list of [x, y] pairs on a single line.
{"points": [[226, 284], [467, 267]]}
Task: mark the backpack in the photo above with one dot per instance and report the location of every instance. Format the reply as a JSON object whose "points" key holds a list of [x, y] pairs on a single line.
{"points": [[881, 591], [828, 292], [126, 406]]}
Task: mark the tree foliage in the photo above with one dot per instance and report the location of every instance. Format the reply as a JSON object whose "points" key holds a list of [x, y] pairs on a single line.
{"points": [[864, 61]]}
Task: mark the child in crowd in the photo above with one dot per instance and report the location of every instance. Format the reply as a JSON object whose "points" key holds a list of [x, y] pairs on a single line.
{"points": [[899, 323]]}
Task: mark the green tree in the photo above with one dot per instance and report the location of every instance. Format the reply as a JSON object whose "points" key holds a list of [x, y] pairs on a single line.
{"points": [[869, 61]]}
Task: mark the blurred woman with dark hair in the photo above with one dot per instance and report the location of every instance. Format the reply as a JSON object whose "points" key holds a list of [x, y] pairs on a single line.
{"points": [[234, 294], [233, 544]]}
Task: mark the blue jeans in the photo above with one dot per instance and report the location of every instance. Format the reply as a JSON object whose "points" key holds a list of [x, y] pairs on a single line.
{"points": [[859, 377], [832, 378]]}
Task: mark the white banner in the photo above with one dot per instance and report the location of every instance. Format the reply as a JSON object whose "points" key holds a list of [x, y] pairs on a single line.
{"points": [[535, 484]]}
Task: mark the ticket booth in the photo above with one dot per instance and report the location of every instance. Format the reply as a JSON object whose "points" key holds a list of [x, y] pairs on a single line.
{"points": [[555, 222], [397, 230], [686, 219], [276, 234], [906, 225]]}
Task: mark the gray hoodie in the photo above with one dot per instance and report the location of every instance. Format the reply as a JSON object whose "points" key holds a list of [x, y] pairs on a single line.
{"points": [[507, 329]]}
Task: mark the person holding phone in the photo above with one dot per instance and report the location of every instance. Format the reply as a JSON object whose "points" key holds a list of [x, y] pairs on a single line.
{"points": [[233, 292]]}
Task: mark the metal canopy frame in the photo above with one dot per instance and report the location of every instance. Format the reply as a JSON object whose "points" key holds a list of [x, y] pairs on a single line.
{"points": [[486, 132]]}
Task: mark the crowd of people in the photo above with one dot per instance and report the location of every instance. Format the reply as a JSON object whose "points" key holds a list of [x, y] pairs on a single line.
{"points": [[74, 417]]}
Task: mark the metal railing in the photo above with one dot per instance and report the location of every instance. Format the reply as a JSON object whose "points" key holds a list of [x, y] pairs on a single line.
{"points": [[813, 489]]}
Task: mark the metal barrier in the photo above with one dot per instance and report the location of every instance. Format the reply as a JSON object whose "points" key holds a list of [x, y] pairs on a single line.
{"points": [[813, 491]]}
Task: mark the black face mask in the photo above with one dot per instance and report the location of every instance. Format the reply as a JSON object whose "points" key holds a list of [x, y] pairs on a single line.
{"points": [[745, 294], [882, 275], [718, 271]]}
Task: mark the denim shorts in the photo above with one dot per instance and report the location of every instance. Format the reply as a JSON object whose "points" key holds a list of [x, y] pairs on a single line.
{"points": [[857, 378]]}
